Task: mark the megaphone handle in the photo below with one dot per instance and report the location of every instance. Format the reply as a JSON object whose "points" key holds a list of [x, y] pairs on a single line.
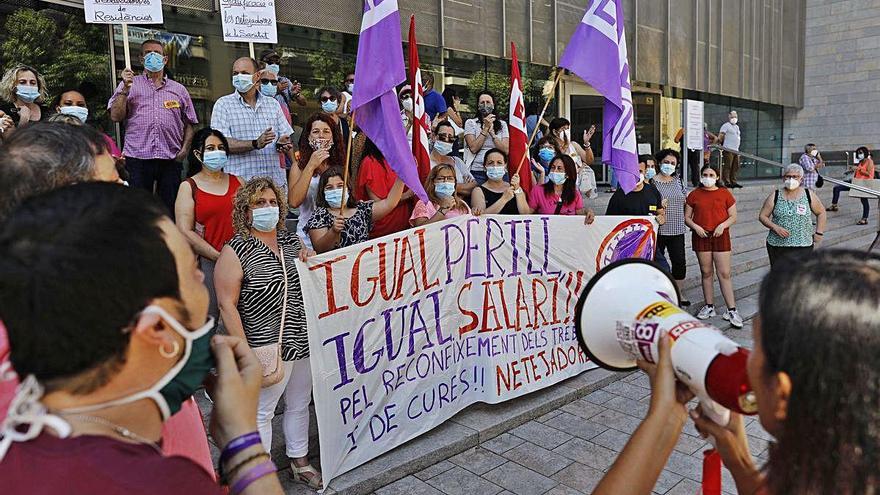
{"points": [[715, 411]]}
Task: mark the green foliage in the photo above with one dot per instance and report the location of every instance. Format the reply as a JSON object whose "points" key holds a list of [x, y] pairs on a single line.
{"points": [[328, 69], [66, 51]]}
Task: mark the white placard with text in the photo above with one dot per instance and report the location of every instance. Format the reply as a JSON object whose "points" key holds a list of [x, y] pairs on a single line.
{"points": [[249, 21], [123, 11]]}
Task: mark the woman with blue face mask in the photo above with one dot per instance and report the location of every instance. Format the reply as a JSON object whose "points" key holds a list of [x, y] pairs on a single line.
{"points": [[22, 98], [674, 192], [443, 200], [72, 105], [333, 226], [203, 209], [330, 99], [443, 151], [543, 153], [497, 196], [559, 196], [258, 290]]}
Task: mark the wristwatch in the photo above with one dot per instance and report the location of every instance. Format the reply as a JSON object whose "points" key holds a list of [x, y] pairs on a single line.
{"points": [[254, 143]]}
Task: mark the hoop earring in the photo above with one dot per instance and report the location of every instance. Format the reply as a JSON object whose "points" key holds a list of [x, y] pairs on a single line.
{"points": [[168, 355]]}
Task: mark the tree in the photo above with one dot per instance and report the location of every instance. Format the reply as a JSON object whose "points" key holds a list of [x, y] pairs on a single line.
{"points": [[68, 53]]}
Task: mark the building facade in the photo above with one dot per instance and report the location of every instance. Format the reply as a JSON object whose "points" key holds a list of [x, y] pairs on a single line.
{"points": [[746, 55], [841, 104]]}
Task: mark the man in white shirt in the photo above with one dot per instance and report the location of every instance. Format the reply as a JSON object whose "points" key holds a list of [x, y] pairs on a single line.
{"points": [[254, 124], [729, 137]]}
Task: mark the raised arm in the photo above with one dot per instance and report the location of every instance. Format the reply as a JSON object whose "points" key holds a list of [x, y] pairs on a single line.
{"points": [[299, 180], [385, 206]]}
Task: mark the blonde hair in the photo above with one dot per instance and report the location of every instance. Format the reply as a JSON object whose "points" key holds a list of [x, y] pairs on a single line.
{"points": [[432, 178], [10, 81], [248, 193]]}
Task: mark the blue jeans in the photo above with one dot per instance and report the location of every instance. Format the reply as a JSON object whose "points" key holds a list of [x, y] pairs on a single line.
{"points": [[614, 182], [866, 207]]}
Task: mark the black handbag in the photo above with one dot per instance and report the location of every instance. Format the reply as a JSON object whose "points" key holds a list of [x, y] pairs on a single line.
{"points": [[820, 182]]}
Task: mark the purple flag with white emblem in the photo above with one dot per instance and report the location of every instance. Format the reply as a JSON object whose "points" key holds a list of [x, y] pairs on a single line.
{"points": [[379, 68], [597, 54]]}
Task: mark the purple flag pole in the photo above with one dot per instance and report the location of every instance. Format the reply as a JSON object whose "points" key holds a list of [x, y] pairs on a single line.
{"points": [[597, 53], [379, 68]]}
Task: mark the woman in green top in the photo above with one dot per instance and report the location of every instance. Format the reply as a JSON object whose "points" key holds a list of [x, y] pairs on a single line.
{"points": [[787, 213]]}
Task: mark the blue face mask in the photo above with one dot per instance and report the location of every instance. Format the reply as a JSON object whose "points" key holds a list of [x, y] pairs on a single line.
{"points": [[329, 106], [154, 62], [667, 168], [273, 68], [333, 197], [443, 147], [546, 154], [82, 113], [650, 173], [444, 189], [557, 178], [27, 93], [214, 160], [265, 219], [269, 90], [243, 82], [495, 173]]}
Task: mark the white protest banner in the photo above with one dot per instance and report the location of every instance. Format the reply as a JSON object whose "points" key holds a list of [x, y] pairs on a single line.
{"points": [[694, 124], [409, 329], [249, 21], [123, 11]]}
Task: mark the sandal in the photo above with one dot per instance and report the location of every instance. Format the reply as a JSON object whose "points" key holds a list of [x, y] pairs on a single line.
{"points": [[832, 208], [313, 482], [863, 221]]}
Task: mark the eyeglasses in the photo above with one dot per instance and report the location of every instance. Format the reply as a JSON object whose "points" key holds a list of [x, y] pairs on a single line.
{"points": [[446, 138], [327, 98], [351, 80], [273, 82], [786, 177], [405, 97]]}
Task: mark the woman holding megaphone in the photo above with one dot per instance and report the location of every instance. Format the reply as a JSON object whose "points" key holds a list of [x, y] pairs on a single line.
{"points": [[816, 376]]}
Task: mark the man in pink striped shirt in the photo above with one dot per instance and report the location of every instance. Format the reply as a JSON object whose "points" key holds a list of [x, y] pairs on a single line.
{"points": [[158, 116]]}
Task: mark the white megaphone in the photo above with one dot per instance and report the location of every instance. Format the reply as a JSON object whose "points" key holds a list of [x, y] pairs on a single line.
{"points": [[630, 304]]}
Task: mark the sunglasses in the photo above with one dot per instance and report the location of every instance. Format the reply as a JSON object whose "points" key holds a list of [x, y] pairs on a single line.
{"points": [[273, 82], [327, 98], [349, 81], [405, 97], [446, 138]]}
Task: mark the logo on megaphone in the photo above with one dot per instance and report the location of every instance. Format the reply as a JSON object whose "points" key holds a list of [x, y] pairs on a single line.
{"points": [[630, 304]]}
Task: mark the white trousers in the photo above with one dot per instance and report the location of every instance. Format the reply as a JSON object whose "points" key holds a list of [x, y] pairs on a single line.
{"points": [[296, 387]]}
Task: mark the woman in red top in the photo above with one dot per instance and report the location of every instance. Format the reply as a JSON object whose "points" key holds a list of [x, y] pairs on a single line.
{"points": [[709, 212], [203, 209], [374, 181], [864, 170]]}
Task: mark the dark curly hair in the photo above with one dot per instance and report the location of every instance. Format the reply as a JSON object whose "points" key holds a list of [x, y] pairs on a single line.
{"points": [[337, 152]]}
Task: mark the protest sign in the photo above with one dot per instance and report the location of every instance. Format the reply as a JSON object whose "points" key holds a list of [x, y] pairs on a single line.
{"points": [[409, 329], [249, 21], [123, 11]]}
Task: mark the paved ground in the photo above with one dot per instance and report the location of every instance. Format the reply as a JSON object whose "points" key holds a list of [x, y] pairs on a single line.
{"points": [[565, 452]]}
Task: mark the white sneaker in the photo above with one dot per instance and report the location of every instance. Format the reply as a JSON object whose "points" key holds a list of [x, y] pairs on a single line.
{"points": [[706, 312], [734, 318]]}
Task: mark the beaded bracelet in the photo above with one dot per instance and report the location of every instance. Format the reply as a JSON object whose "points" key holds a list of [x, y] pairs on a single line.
{"points": [[225, 476], [238, 444], [251, 475]]}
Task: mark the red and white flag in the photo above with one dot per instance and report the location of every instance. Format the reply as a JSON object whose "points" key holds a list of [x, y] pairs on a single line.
{"points": [[518, 159], [421, 127]]}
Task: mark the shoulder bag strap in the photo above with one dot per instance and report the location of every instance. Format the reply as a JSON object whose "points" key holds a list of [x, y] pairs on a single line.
{"points": [[776, 197], [194, 187], [284, 299]]}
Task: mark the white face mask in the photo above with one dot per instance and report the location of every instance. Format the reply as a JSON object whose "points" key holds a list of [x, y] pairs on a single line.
{"points": [[708, 181], [814, 153], [734, 120], [792, 184], [860, 156], [408, 104], [565, 135]]}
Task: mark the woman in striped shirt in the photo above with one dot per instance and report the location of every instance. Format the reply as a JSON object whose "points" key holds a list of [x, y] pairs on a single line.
{"points": [[251, 275]]}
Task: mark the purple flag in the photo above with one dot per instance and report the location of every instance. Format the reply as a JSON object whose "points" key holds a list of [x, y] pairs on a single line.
{"points": [[597, 54], [379, 68]]}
